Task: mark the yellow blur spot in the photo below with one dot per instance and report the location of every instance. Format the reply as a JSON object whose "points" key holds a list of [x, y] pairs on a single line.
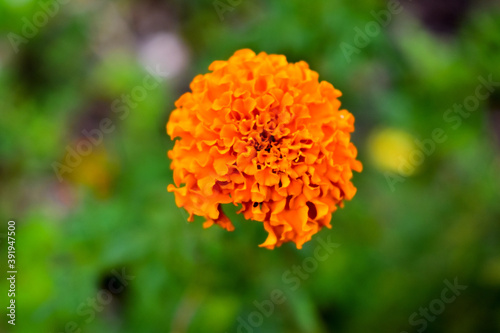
{"points": [[389, 148], [95, 171]]}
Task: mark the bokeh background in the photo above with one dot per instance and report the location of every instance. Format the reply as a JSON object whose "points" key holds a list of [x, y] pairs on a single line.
{"points": [[398, 239]]}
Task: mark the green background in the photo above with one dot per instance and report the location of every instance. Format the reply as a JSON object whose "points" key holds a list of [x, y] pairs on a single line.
{"points": [[112, 212]]}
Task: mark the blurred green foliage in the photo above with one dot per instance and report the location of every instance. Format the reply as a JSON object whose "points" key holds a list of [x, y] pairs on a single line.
{"points": [[112, 212]]}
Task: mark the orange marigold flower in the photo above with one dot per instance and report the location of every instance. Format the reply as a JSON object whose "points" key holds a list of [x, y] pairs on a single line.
{"points": [[265, 134]]}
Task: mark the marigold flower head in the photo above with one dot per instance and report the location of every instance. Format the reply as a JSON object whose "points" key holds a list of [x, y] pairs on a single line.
{"points": [[265, 134]]}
